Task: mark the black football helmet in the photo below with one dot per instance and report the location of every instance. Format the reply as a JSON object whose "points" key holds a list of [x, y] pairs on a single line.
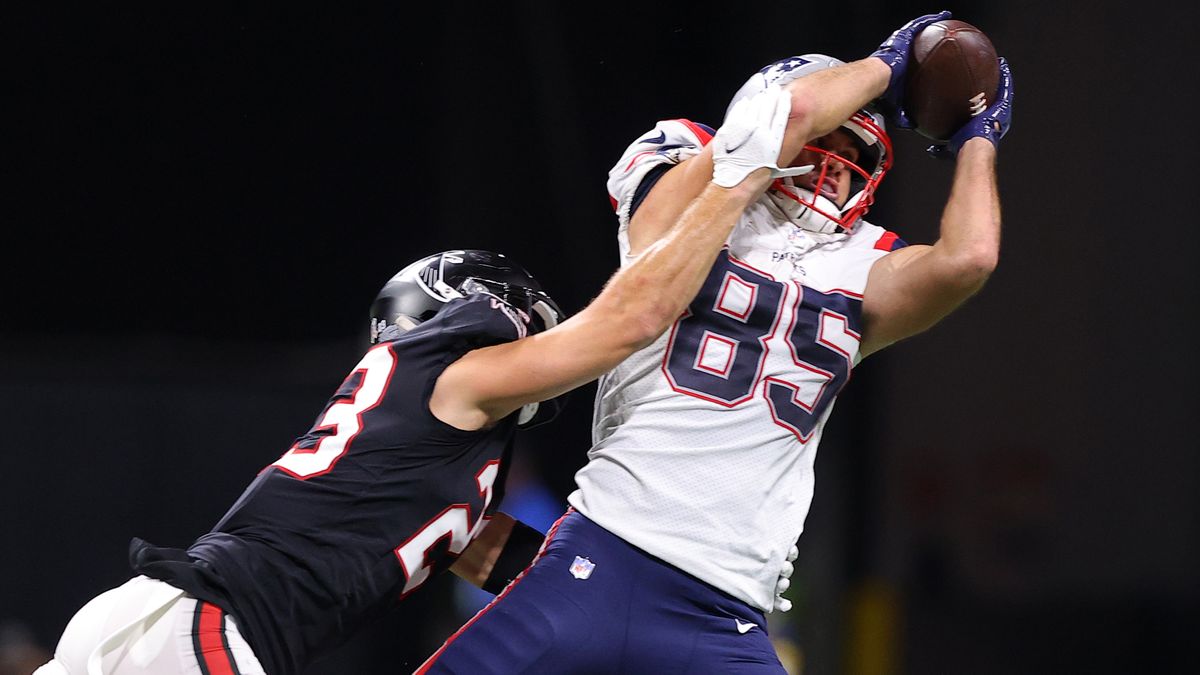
{"points": [[421, 289]]}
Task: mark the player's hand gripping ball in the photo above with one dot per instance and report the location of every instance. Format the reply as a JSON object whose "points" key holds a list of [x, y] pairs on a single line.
{"points": [[954, 75]]}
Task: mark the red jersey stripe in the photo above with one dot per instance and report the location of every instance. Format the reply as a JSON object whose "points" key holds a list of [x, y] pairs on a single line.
{"points": [[886, 241]]}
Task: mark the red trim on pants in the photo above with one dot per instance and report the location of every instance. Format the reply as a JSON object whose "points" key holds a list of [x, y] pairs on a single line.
{"points": [[208, 639]]}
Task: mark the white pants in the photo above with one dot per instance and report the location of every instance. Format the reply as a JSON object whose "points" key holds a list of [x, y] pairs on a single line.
{"points": [[148, 627]]}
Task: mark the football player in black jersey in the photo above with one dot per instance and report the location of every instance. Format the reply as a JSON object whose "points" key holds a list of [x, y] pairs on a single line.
{"points": [[405, 465]]}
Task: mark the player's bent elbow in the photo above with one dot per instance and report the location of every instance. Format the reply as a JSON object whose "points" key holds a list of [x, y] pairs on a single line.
{"points": [[982, 262], [972, 269], [804, 102], [967, 263], [800, 118]]}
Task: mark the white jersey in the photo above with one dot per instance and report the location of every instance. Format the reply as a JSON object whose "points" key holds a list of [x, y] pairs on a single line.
{"points": [[704, 442]]}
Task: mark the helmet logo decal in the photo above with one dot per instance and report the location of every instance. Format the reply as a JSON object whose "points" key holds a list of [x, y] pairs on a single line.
{"points": [[430, 281], [787, 65]]}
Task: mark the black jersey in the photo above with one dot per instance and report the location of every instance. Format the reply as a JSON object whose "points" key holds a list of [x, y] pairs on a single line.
{"points": [[375, 499]]}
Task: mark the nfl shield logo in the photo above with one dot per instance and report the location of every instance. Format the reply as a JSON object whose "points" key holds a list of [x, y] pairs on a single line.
{"points": [[582, 567]]}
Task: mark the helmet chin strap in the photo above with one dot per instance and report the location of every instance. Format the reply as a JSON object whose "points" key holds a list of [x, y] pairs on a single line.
{"points": [[548, 315], [448, 292], [791, 200], [549, 320]]}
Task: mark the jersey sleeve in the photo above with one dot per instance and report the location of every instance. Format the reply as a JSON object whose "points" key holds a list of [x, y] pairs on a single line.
{"points": [[463, 325], [847, 261], [480, 321], [668, 144], [889, 241]]}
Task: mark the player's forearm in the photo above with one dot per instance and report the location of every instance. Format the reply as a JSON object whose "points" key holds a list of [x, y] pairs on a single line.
{"points": [[637, 305], [476, 562], [499, 554], [822, 101], [911, 289], [969, 242], [653, 291]]}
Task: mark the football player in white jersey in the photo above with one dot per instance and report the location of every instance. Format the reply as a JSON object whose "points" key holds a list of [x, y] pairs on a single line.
{"points": [[701, 472]]}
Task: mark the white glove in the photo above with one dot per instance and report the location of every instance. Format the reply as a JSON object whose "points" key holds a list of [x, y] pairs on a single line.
{"points": [[751, 137], [781, 603]]}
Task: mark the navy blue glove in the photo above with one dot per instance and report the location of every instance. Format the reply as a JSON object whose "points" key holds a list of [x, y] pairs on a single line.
{"points": [[894, 52], [991, 124]]}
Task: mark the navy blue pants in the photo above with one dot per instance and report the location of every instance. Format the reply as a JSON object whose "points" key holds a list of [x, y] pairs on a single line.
{"points": [[594, 604]]}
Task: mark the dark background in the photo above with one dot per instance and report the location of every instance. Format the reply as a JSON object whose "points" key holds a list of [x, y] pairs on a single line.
{"points": [[200, 203]]}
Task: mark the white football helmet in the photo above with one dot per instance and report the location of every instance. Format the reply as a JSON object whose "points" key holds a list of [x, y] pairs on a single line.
{"points": [[811, 211]]}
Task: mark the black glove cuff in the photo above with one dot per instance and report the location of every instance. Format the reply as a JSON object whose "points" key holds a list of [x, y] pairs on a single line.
{"points": [[523, 544]]}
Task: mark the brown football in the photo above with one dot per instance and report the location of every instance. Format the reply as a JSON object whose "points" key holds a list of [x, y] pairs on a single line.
{"points": [[953, 74]]}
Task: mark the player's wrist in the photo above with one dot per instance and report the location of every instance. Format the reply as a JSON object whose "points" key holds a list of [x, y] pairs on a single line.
{"points": [[982, 142], [748, 187], [518, 553], [889, 64], [879, 74]]}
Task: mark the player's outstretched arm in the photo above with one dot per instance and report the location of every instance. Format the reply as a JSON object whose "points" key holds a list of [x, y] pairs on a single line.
{"points": [[824, 100], [638, 303], [821, 102], [913, 288]]}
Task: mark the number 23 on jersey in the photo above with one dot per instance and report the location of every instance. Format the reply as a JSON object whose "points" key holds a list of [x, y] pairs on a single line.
{"points": [[367, 384]]}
